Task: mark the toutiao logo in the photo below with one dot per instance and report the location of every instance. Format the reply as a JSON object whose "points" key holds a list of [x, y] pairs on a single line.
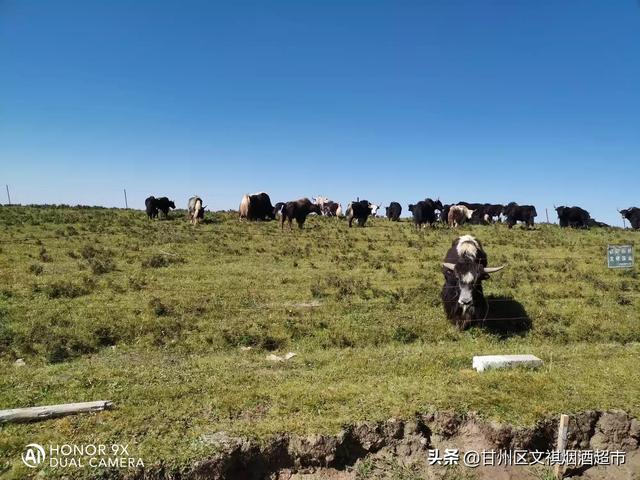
{"points": [[33, 455]]}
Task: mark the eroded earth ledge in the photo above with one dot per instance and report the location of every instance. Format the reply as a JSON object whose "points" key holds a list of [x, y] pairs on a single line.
{"points": [[399, 449]]}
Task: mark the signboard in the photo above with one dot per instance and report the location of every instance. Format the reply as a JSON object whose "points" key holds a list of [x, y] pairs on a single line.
{"points": [[620, 256]]}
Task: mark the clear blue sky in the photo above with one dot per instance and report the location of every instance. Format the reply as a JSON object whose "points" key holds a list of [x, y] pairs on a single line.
{"points": [[534, 101]]}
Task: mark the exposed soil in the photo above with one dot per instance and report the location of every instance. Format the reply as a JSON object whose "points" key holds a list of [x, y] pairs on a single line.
{"points": [[399, 448]]}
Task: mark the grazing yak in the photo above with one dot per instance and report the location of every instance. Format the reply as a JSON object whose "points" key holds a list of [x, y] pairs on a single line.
{"points": [[196, 210], [493, 212], [464, 269], [594, 223], [483, 213], [257, 207], [424, 212], [360, 210], [458, 214], [574, 217], [444, 213], [320, 200], [515, 213], [299, 210], [154, 204], [393, 211], [471, 206], [633, 215], [277, 210], [151, 208], [329, 208], [332, 209]]}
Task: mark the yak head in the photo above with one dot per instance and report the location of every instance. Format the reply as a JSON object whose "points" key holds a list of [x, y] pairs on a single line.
{"points": [[374, 208], [507, 209], [468, 276], [626, 213], [171, 204], [438, 204], [315, 208], [561, 210]]}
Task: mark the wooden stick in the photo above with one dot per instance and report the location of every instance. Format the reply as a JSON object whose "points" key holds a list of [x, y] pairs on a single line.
{"points": [[563, 429], [34, 414]]}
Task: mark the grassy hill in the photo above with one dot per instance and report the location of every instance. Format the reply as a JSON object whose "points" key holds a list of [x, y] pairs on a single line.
{"points": [[159, 317]]}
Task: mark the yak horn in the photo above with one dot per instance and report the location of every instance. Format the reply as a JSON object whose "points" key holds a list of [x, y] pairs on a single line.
{"points": [[493, 269], [449, 266]]}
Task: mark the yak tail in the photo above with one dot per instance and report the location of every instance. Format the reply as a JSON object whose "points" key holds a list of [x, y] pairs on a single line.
{"points": [[244, 206]]}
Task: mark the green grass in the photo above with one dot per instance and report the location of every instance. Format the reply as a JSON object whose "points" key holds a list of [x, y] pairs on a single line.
{"points": [[103, 304]]}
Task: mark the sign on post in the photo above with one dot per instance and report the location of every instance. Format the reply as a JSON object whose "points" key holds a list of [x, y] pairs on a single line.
{"points": [[620, 256]]}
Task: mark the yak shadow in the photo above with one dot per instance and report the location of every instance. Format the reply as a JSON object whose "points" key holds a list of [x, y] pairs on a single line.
{"points": [[506, 317]]}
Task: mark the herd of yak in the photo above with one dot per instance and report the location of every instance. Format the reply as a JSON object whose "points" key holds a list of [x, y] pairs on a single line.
{"points": [[464, 266], [425, 212]]}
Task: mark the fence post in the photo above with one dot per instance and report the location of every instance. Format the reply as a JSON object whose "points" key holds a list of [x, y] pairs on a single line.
{"points": [[126, 204], [8, 196], [546, 212], [563, 429]]}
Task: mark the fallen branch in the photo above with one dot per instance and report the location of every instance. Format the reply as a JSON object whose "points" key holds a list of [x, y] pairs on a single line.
{"points": [[34, 414]]}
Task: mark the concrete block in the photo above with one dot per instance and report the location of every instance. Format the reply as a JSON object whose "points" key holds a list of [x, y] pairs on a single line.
{"points": [[484, 362]]}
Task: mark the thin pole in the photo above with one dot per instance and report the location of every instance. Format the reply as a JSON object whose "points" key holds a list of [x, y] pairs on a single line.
{"points": [[563, 429], [8, 196], [126, 204], [546, 211]]}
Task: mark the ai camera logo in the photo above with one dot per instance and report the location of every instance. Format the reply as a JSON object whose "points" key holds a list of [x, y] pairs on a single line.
{"points": [[33, 455]]}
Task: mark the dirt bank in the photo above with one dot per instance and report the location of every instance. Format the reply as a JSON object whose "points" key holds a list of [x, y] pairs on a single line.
{"points": [[400, 448]]}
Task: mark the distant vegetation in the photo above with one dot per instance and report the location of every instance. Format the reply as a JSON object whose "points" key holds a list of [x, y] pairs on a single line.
{"points": [[157, 316]]}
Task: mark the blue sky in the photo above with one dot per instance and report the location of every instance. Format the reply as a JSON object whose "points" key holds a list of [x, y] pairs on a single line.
{"points": [[533, 101]]}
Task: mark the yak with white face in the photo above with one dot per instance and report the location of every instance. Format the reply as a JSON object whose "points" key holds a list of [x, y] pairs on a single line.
{"points": [[464, 269]]}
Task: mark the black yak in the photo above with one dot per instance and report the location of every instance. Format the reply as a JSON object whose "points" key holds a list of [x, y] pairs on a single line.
{"points": [[464, 269], [154, 204], [360, 210], [515, 213], [633, 215], [298, 209], [257, 207], [150, 207], [424, 212], [393, 211], [574, 217]]}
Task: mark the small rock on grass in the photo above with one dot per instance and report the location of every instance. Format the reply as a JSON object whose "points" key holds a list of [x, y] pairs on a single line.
{"points": [[277, 358]]}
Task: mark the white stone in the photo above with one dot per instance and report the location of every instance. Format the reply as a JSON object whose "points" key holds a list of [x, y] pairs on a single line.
{"points": [[484, 362], [277, 358]]}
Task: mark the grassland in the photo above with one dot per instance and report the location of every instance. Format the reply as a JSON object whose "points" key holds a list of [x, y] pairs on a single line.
{"points": [[157, 317]]}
